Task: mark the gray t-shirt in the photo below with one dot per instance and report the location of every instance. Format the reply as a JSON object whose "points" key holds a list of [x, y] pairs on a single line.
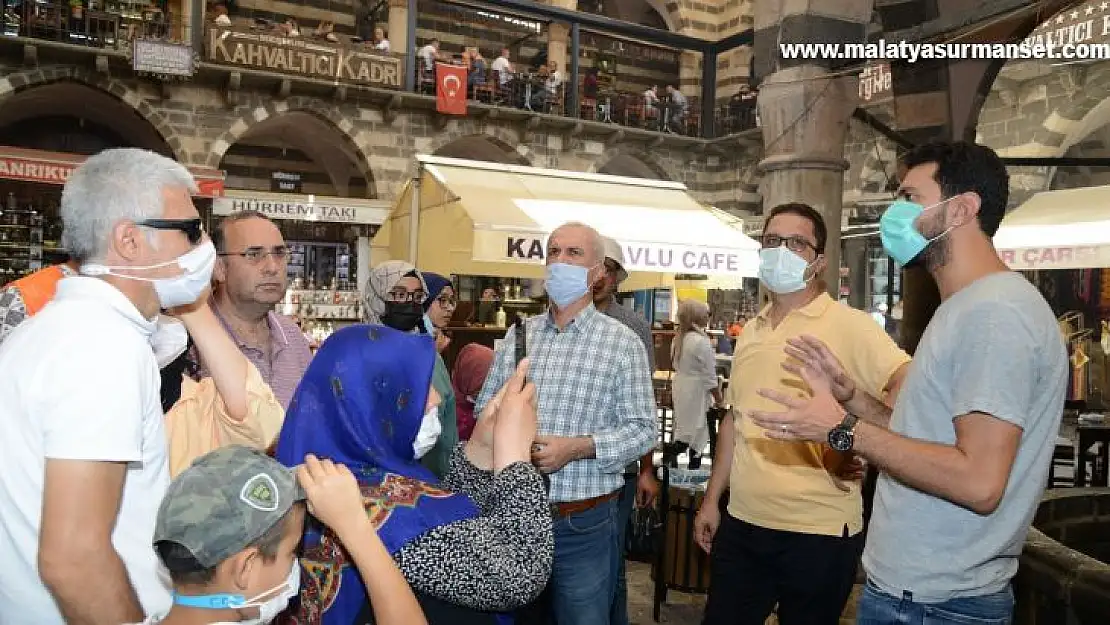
{"points": [[994, 347]]}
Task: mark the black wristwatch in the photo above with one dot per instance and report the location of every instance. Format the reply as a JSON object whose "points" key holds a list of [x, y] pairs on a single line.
{"points": [[843, 436]]}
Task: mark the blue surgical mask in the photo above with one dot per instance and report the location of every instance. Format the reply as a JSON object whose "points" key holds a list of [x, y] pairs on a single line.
{"points": [[899, 234], [566, 284], [782, 271], [270, 603]]}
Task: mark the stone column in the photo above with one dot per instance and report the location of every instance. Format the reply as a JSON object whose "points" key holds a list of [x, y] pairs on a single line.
{"points": [[399, 27], [804, 113], [855, 259], [557, 45], [689, 74]]}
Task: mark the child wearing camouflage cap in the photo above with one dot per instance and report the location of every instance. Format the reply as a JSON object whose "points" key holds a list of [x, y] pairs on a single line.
{"points": [[228, 530]]}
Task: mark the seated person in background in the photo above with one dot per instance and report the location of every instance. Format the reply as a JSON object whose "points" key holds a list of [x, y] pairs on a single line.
{"points": [[381, 43], [290, 28], [478, 543], [326, 30], [476, 69], [504, 68], [471, 368], [221, 18], [676, 109], [228, 530], [429, 54]]}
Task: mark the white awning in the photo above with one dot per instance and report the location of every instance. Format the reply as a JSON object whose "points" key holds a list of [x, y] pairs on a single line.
{"points": [[1066, 229], [660, 227]]}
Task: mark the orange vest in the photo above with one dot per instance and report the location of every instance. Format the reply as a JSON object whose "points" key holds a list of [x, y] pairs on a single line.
{"points": [[38, 288]]}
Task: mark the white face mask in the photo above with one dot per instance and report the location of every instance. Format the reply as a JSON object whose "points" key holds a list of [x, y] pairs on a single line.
{"points": [[170, 339], [196, 266], [430, 429], [268, 609]]}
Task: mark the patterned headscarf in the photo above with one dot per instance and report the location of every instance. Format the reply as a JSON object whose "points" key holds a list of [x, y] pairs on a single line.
{"points": [[382, 280], [360, 404]]}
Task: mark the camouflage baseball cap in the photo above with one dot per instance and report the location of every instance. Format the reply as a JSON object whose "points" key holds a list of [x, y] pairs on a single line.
{"points": [[224, 501]]}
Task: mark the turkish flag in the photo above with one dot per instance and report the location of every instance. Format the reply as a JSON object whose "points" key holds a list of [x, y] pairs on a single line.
{"points": [[450, 89]]}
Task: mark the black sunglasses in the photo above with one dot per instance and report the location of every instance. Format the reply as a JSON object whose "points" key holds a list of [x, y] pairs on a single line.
{"points": [[191, 227]]}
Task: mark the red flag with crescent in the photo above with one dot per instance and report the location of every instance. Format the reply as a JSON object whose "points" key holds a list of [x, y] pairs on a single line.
{"points": [[450, 89]]}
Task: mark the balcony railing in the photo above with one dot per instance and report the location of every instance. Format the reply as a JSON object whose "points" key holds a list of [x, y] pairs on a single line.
{"points": [[76, 24]]}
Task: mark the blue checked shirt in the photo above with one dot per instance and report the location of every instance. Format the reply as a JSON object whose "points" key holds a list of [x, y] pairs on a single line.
{"points": [[592, 379]]}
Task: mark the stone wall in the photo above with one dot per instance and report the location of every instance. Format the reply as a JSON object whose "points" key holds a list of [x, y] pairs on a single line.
{"points": [[200, 127], [1059, 579]]}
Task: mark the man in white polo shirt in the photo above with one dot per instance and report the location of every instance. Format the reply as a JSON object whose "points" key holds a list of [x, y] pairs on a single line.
{"points": [[83, 463]]}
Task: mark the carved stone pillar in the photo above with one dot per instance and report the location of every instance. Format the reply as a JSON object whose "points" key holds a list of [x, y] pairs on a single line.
{"points": [[557, 45], [804, 113], [399, 26]]}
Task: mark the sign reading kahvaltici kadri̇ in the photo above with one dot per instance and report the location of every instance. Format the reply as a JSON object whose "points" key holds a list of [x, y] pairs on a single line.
{"points": [[298, 57]]}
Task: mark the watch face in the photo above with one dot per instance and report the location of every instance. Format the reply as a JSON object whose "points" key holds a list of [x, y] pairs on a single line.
{"points": [[840, 440]]}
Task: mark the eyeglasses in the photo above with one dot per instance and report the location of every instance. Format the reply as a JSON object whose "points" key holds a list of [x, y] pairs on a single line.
{"points": [[255, 255], [401, 296], [447, 301], [794, 244], [191, 227]]}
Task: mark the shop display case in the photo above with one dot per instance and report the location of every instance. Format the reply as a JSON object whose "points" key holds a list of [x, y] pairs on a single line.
{"points": [[30, 231]]}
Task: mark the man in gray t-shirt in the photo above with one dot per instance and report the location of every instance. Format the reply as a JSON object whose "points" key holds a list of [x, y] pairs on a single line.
{"points": [[965, 455], [992, 348]]}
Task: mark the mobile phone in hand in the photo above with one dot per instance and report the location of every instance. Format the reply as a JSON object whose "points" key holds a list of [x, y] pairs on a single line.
{"points": [[521, 339]]}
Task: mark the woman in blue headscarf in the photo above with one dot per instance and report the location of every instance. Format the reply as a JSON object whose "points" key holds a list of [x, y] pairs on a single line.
{"points": [[438, 307], [473, 546]]}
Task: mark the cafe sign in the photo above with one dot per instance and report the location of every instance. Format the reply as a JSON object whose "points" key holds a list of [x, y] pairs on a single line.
{"points": [[1087, 23], [500, 246], [315, 209], [298, 57]]}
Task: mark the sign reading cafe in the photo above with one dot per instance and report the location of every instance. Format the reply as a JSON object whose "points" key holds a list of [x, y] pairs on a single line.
{"points": [[651, 257], [303, 58]]}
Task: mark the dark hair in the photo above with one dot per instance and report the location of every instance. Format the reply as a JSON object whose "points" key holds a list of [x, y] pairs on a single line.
{"points": [[219, 233], [185, 570], [964, 167], [820, 230]]}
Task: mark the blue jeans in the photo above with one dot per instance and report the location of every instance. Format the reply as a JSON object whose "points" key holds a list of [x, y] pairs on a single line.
{"points": [[584, 575], [878, 608], [619, 614]]}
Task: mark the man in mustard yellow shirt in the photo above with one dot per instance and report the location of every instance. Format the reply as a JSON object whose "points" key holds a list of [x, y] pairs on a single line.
{"points": [[792, 534]]}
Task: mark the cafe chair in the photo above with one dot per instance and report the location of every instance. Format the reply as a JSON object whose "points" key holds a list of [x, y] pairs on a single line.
{"points": [[487, 91]]}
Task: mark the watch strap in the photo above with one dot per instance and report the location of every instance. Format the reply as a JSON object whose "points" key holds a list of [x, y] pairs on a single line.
{"points": [[849, 422]]}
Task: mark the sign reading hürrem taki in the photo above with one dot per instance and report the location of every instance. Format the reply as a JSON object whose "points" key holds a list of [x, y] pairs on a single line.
{"points": [[298, 57]]}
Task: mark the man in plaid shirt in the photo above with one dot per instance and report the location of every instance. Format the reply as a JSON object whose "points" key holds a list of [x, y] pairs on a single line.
{"points": [[596, 415]]}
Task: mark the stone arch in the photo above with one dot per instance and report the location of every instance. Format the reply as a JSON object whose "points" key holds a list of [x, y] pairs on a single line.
{"points": [[491, 143], [358, 143], [632, 163], [18, 84], [630, 11]]}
